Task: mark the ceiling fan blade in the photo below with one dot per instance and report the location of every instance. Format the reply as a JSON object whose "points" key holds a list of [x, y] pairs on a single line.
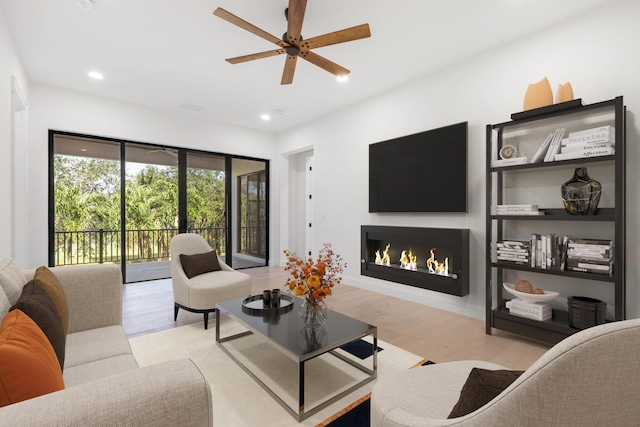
{"points": [[325, 64], [289, 69], [229, 17], [346, 35], [295, 16], [254, 56]]}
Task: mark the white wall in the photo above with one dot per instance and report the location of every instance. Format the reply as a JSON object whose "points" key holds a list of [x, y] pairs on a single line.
{"points": [[595, 52], [12, 75], [64, 110]]}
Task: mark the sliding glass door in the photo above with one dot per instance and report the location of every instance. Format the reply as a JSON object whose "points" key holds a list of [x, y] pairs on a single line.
{"points": [[85, 197], [206, 204], [249, 226], [150, 211], [122, 202]]}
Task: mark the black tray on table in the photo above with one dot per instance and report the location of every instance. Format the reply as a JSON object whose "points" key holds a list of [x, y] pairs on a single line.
{"points": [[255, 305]]}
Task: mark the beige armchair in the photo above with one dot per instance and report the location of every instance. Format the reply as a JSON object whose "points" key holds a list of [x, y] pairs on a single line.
{"points": [[200, 293], [591, 378]]}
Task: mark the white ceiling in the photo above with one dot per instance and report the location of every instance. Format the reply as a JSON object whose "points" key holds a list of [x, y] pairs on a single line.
{"points": [[168, 53]]}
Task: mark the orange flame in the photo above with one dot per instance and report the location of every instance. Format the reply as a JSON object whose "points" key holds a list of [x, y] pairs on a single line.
{"points": [[437, 267]]}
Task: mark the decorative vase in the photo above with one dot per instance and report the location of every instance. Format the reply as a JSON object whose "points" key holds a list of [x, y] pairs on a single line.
{"points": [[581, 194], [538, 95], [313, 312], [564, 93], [312, 339]]}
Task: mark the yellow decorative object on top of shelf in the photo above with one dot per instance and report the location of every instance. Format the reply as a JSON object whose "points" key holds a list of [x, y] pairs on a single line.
{"points": [[564, 93], [538, 95]]}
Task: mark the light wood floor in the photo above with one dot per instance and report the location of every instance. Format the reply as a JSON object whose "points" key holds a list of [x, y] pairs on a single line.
{"points": [[434, 334]]}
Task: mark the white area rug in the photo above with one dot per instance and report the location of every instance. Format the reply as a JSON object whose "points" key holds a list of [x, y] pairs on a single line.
{"points": [[237, 399]]}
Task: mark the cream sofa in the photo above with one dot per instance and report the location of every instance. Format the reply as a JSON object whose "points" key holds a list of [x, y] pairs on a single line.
{"points": [[103, 384]]}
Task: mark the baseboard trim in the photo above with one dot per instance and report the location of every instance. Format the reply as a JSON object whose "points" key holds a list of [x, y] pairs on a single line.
{"points": [[421, 296]]}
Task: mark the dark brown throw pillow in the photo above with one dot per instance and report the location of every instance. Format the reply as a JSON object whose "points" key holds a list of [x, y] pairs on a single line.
{"points": [[36, 303], [482, 386], [50, 283], [194, 265]]}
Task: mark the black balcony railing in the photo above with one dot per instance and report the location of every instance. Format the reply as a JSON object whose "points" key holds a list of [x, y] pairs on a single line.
{"points": [[105, 246]]}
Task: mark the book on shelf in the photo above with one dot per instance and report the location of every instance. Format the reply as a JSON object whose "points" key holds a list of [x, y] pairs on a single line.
{"points": [[589, 254], [534, 213], [509, 162], [543, 252], [516, 207], [532, 307], [591, 266], [596, 248], [591, 138], [518, 258], [542, 151], [563, 252], [590, 270], [585, 154], [523, 209], [533, 245], [587, 261], [554, 147], [531, 316], [600, 129], [531, 313], [584, 147], [591, 242], [551, 251], [512, 262], [513, 243], [511, 250]]}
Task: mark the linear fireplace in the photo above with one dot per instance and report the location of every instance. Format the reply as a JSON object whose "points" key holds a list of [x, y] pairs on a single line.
{"points": [[431, 258]]}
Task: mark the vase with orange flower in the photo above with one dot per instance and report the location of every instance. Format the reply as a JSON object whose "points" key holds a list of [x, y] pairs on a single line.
{"points": [[313, 280]]}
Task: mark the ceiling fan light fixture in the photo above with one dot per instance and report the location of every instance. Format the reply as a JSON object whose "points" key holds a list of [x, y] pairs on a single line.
{"points": [[342, 78]]}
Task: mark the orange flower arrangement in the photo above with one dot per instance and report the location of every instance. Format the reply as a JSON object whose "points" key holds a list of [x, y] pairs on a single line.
{"points": [[313, 279]]}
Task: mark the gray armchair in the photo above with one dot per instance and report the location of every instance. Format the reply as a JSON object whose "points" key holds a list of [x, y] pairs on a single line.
{"points": [[201, 293], [591, 378]]}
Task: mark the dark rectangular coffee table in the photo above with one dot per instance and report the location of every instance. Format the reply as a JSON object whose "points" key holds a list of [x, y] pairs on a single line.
{"points": [[285, 331]]}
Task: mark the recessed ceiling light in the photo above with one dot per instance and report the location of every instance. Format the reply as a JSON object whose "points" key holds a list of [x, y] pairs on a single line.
{"points": [[84, 150], [96, 75], [191, 107], [85, 4], [342, 78], [265, 117]]}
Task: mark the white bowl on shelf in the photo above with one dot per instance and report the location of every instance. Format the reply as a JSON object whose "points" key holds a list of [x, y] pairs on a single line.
{"points": [[526, 297]]}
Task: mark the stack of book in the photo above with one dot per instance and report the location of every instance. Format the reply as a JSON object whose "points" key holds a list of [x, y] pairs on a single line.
{"points": [[548, 251], [531, 310], [518, 210], [590, 256], [592, 142], [513, 251]]}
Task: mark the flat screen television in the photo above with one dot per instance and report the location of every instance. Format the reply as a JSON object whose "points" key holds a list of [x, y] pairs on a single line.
{"points": [[423, 172]]}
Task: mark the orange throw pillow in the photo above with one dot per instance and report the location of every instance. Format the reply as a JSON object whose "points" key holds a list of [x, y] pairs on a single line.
{"points": [[50, 283], [28, 365]]}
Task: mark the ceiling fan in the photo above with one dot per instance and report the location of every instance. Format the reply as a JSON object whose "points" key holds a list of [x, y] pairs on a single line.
{"points": [[293, 44]]}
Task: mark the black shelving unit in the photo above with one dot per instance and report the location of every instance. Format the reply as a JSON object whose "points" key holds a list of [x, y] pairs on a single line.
{"points": [[574, 116]]}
